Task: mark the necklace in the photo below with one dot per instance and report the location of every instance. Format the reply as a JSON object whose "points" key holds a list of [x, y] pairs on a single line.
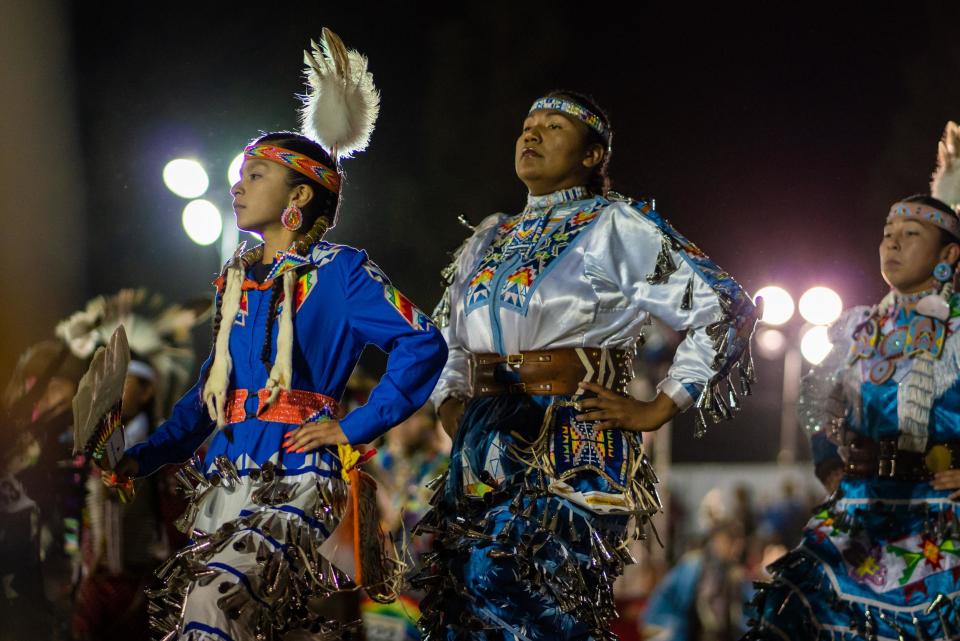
{"points": [[911, 299]]}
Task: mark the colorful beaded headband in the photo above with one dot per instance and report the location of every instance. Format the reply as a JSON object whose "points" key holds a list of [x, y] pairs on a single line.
{"points": [[925, 213], [297, 162], [576, 110]]}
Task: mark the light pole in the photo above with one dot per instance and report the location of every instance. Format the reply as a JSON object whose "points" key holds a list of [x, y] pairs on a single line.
{"points": [[819, 306]]}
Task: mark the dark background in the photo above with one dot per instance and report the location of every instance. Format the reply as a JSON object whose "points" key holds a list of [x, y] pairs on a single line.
{"points": [[776, 141]]}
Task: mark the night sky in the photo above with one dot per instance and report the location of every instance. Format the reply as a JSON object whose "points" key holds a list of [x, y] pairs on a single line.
{"points": [[776, 142]]}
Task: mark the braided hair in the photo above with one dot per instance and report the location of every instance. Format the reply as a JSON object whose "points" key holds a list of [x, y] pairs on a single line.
{"points": [[321, 213], [599, 183]]}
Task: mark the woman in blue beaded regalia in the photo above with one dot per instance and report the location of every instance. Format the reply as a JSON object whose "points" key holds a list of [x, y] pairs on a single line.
{"points": [[542, 314], [293, 317], [881, 558]]}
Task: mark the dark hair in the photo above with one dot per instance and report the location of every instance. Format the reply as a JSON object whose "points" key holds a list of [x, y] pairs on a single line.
{"points": [[925, 199], [325, 203], [600, 178]]}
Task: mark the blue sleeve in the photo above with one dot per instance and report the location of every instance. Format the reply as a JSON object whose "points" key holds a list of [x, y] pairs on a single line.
{"points": [[180, 436], [379, 314]]}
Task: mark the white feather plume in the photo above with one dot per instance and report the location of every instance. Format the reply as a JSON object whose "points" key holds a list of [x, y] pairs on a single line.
{"points": [[342, 104], [945, 183]]}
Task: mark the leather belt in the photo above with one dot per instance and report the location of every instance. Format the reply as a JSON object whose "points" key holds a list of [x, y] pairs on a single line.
{"points": [[868, 458], [550, 372], [294, 407]]}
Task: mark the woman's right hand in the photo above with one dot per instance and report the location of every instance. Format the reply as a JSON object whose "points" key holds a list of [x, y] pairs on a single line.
{"points": [[450, 413]]}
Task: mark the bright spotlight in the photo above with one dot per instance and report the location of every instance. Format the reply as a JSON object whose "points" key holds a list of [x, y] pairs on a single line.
{"points": [[777, 305], [771, 343], [815, 344], [233, 173], [202, 222], [186, 178], [820, 305]]}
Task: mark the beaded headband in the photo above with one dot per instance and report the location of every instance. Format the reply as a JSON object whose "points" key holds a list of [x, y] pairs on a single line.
{"points": [[927, 214], [298, 162], [576, 110]]}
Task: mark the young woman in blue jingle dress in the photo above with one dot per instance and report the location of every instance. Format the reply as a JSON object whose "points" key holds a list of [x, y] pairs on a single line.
{"points": [[293, 317], [880, 560], [541, 315]]}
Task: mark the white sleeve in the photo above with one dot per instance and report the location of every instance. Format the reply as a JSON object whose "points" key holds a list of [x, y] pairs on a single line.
{"points": [[664, 274], [454, 379]]}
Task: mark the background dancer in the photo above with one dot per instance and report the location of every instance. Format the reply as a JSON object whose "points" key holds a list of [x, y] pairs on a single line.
{"points": [[879, 560]]}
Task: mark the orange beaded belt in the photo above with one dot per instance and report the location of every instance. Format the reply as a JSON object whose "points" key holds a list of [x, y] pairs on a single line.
{"points": [[294, 407]]}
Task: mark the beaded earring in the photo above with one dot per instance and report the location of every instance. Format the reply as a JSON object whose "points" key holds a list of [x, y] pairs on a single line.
{"points": [[938, 305], [943, 272], [291, 218]]}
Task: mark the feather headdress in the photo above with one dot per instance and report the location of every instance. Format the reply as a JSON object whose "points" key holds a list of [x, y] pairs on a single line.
{"points": [[342, 104], [945, 182]]}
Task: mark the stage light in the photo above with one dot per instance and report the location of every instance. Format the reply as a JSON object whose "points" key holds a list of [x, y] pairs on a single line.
{"points": [[771, 343], [233, 173], [777, 305], [186, 178], [202, 222], [815, 344], [820, 305]]}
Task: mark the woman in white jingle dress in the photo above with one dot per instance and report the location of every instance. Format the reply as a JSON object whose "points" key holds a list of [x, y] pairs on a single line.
{"points": [[542, 314]]}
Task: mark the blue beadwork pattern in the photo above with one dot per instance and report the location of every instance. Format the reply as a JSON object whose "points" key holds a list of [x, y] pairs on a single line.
{"points": [[520, 283]]}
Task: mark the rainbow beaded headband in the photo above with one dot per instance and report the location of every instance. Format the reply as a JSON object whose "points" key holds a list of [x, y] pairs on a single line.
{"points": [[298, 162], [927, 214], [576, 110]]}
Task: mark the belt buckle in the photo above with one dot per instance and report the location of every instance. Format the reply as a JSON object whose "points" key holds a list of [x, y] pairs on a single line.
{"points": [[886, 467], [514, 360], [887, 460]]}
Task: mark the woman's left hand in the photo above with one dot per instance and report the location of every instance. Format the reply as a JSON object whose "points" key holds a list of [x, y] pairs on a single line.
{"points": [[614, 410], [947, 480], [311, 436]]}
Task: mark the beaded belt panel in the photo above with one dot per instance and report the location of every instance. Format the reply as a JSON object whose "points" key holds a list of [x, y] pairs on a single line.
{"points": [[294, 407]]}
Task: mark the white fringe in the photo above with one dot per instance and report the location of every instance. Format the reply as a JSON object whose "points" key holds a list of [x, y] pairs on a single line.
{"points": [[946, 368], [215, 390], [914, 401], [282, 370]]}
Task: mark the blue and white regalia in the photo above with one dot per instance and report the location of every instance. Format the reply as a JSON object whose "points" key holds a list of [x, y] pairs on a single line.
{"points": [[881, 558], [532, 518]]}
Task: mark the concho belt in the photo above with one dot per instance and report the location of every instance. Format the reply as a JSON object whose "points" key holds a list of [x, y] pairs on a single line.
{"points": [[868, 458]]}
